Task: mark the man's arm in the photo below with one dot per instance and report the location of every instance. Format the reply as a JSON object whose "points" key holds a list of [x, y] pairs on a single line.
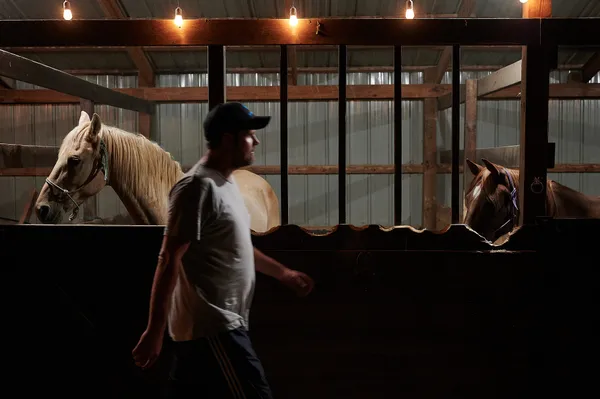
{"points": [[298, 281], [269, 266], [165, 276], [181, 229]]}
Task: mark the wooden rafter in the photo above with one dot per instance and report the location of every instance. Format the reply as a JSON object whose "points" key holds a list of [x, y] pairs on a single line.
{"points": [[114, 9], [465, 10], [591, 68]]}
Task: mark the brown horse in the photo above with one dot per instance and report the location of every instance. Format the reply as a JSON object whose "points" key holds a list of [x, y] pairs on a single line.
{"points": [[93, 155], [492, 201]]}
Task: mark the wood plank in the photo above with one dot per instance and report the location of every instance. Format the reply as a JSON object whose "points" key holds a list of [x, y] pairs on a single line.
{"points": [[570, 31], [26, 70], [430, 120], [301, 70], [267, 31], [560, 91], [508, 76], [445, 101], [26, 215], [331, 169], [470, 136], [27, 156]]}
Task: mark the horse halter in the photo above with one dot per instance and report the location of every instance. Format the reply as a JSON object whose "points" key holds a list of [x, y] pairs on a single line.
{"points": [[102, 165], [514, 207]]}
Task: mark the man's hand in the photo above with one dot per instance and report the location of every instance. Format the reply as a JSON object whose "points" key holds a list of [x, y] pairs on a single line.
{"points": [[297, 281], [148, 348]]}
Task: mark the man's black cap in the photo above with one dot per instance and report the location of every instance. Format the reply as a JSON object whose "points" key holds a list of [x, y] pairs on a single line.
{"points": [[232, 117]]}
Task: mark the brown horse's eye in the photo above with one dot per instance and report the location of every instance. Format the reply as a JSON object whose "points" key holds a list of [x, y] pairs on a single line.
{"points": [[73, 162]]}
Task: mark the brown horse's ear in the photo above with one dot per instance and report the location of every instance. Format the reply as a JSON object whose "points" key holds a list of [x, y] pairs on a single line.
{"points": [[95, 125], [491, 167], [475, 169]]}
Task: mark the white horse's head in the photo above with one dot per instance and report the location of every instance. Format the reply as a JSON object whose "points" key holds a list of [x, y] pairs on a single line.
{"points": [[80, 172]]}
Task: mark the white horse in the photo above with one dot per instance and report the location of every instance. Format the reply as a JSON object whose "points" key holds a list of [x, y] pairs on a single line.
{"points": [[93, 155]]}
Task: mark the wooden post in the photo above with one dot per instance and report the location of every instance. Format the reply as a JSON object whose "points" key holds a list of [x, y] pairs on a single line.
{"points": [[430, 115], [534, 121], [217, 84], [470, 139], [455, 131]]}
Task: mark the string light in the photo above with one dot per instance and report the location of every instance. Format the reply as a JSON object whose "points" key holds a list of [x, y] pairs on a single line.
{"points": [[293, 16], [410, 12], [67, 14], [178, 17]]}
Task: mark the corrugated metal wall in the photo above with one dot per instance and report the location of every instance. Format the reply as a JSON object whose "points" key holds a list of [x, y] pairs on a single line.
{"points": [[313, 132]]}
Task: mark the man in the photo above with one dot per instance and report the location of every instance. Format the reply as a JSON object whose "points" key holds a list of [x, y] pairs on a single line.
{"points": [[204, 281]]}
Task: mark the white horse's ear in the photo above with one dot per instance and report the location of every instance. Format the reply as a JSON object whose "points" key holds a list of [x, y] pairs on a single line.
{"points": [[83, 118], [94, 127]]}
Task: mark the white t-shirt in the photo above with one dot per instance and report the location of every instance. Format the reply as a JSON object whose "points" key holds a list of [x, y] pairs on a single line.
{"points": [[215, 288]]}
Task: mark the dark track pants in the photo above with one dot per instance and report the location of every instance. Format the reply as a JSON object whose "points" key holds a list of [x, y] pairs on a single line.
{"points": [[223, 366]]}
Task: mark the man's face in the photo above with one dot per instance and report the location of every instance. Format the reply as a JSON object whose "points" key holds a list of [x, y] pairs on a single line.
{"points": [[243, 152]]}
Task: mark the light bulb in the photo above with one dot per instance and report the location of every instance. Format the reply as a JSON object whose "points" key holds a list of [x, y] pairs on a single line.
{"points": [[523, 1], [178, 17], [67, 14], [410, 12], [293, 16]]}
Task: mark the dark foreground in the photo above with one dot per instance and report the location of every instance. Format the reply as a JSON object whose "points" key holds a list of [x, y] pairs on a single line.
{"points": [[393, 314]]}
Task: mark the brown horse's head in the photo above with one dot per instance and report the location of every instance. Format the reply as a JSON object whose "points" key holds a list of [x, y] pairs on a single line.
{"points": [[491, 201]]}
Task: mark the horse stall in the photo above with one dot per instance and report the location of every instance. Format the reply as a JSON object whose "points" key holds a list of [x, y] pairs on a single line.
{"points": [[396, 311]]}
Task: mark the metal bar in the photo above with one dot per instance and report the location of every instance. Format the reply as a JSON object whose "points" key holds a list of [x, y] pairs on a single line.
{"points": [[283, 131], [342, 133], [397, 135], [455, 132], [216, 76], [535, 87]]}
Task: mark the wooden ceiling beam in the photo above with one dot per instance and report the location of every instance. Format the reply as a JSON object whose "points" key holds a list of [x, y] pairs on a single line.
{"points": [[255, 48], [267, 31]]}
